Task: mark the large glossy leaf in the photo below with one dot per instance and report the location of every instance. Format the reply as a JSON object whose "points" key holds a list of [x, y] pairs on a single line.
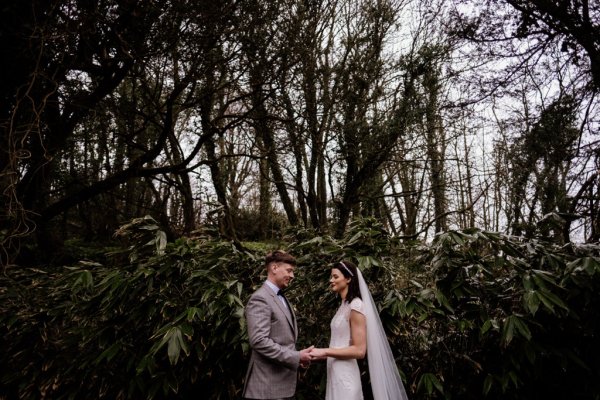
{"points": [[430, 383]]}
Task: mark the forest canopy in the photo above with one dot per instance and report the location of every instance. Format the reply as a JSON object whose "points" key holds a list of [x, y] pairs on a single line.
{"points": [[251, 117]]}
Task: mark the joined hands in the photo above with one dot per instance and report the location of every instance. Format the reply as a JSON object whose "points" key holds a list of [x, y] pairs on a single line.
{"points": [[305, 357], [311, 354], [318, 354]]}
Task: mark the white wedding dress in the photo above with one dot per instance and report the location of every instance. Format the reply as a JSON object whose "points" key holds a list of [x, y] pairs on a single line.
{"points": [[343, 376]]}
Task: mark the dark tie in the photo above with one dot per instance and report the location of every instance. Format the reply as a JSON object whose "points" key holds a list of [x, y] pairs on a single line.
{"points": [[282, 295]]}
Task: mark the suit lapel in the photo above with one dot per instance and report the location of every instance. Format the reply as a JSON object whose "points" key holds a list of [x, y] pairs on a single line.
{"points": [[289, 315]]}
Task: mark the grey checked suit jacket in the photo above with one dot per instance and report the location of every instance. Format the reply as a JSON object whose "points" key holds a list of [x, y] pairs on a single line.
{"points": [[272, 330]]}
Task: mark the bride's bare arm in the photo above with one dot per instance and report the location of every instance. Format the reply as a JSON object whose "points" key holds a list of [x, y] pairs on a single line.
{"points": [[358, 347]]}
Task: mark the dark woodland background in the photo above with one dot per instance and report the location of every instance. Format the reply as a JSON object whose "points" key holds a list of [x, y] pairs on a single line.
{"points": [[153, 151]]}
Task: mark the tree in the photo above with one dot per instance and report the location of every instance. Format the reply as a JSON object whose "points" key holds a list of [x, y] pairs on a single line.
{"points": [[532, 53], [540, 163], [575, 23], [434, 134], [572, 25], [45, 103], [82, 53]]}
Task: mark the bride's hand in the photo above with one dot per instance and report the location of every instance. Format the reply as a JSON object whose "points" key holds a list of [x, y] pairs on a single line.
{"points": [[318, 354]]}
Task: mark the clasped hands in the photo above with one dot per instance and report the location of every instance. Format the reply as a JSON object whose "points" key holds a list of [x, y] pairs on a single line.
{"points": [[311, 354]]}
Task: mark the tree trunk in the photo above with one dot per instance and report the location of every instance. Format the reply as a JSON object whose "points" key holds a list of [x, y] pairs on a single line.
{"points": [[435, 137]]}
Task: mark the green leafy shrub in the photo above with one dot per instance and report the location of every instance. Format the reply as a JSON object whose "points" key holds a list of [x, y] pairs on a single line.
{"points": [[167, 322], [499, 317], [472, 315]]}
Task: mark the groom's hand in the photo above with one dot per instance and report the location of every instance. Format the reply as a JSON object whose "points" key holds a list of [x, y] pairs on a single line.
{"points": [[305, 357]]}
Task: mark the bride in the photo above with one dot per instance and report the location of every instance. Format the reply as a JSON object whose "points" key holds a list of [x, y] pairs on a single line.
{"points": [[355, 330]]}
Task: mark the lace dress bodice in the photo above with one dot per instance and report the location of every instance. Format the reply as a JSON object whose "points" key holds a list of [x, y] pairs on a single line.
{"points": [[340, 323]]}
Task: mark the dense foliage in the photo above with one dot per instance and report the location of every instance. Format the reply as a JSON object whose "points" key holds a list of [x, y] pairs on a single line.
{"points": [[472, 315], [505, 318]]}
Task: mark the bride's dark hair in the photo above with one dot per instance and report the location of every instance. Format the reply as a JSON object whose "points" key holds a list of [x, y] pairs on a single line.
{"points": [[348, 269]]}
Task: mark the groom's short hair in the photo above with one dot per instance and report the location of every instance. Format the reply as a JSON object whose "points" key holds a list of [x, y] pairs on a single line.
{"points": [[279, 256]]}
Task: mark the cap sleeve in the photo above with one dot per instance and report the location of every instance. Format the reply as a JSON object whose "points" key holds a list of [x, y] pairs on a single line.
{"points": [[357, 305]]}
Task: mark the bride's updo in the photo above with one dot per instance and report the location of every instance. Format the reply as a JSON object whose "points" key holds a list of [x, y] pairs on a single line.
{"points": [[348, 269]]}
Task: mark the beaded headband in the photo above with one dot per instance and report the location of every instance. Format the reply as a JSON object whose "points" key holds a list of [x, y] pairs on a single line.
{"points": [[346, 268]]}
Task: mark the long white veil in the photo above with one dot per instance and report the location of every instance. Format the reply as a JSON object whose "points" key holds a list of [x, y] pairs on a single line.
{"points": [[385, 379]]}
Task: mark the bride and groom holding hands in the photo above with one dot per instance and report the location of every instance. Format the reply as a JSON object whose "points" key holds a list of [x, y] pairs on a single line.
{"points": [[356, 331]]}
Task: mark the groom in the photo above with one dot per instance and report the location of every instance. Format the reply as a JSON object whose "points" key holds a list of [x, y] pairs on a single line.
{"points": [[273, 332]]}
